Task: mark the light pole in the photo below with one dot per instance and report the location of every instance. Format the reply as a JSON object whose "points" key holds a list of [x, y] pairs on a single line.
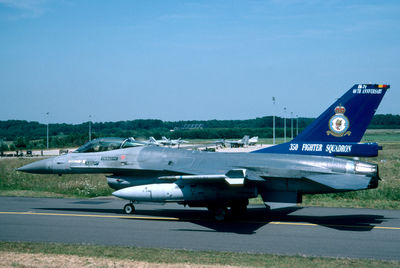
{"points": [[273, 121], [297, 125], [291, 122], [47, 129], [284, 122], [90, 127]]}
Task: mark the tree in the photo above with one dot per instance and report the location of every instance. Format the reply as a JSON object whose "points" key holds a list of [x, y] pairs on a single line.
{"points": [[3, 147], [20, 143]]}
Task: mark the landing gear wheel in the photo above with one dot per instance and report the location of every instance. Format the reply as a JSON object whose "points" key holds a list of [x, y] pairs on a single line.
{"points": [[219, 214], [129, 208]]}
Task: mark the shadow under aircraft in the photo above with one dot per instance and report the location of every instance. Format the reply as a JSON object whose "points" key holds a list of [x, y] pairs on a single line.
{"points": [[254, 219]]}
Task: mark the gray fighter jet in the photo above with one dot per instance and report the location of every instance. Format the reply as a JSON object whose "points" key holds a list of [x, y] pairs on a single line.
{"points": [[167, 142], [281, 174], [238, 143]]}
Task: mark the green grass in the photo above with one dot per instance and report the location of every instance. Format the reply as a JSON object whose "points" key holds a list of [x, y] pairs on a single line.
{"points": [[382, 135], [171, 256], [17, 183]]}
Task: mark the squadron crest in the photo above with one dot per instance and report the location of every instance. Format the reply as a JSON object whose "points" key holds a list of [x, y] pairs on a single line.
{"points": [[339, 123]]}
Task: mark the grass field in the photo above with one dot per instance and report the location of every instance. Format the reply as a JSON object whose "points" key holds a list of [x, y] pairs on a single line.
{"points": [[183, 258], [14, 183]]}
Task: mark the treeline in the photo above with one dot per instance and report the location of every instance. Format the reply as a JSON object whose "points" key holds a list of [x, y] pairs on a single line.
{"points": [[19, 134], [382, 121], [143, 128]]}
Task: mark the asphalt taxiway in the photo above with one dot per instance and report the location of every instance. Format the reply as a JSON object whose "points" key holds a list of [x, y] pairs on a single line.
{"points": [[333, 232]]}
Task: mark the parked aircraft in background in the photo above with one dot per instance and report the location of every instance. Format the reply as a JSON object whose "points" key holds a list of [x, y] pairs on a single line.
{"points": [[153, 141], [253, 140], [233, 144], [245, 141], [239, 143], [281, 174], [166, 142]]}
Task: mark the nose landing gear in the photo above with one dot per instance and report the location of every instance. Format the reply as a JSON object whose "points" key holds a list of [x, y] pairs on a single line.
{"points": [[129, 208]]}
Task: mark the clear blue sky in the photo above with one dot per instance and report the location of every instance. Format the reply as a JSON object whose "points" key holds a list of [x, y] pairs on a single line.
{"points": [[182, 60]]}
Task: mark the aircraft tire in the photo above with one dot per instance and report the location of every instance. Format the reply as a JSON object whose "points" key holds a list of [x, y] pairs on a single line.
{"points": [[129, 209], [219, 213]]}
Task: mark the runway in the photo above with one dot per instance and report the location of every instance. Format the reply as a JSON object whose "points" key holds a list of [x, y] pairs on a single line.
{"points": [[333, 232]]}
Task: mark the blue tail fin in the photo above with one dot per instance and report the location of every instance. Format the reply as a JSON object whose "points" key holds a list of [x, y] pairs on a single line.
{"points": [[347, 119], [339, 129]]}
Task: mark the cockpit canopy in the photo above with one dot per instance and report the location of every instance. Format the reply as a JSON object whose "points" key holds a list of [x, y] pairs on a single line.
{"points": [[108, 144]]}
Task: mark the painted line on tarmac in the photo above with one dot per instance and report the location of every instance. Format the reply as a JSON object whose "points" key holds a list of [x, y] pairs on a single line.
{"points": [[178, 219], [92, 215], [336, 225]]}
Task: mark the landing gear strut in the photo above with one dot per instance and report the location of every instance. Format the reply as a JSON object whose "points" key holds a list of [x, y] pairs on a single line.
{"points": [[129, 208], [239, 209]]}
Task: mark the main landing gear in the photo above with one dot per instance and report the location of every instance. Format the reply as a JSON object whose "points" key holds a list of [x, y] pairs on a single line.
{"points": [[238, 209], [219, 213], [129, 208]]}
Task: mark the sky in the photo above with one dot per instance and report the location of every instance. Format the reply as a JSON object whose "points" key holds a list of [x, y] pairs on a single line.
{"points": [[81, 60]]}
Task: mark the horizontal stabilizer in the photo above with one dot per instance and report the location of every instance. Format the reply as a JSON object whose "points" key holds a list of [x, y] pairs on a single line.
{"points": [[277, 200], [344, 182], [279, 205]]}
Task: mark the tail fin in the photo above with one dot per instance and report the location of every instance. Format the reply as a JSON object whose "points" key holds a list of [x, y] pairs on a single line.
{"points": [[338, 130], [245, 140], [253, 140], [347, 119], [152, 140]]}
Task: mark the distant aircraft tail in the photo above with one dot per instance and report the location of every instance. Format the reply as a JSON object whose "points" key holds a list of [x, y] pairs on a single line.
{"points": [[339, 129], [253, 140], [245, 140]]}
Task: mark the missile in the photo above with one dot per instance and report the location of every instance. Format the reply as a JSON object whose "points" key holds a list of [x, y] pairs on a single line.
{"points": [[176, 192], [162, 192]]}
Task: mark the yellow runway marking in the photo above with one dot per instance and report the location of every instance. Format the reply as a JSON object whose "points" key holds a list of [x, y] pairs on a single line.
{"points": [[335, 225], [178, 219], [93, 215]]}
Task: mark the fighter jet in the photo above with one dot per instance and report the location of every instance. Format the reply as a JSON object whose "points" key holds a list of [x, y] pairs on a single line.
{"points": [[166, 142], [239, 143], [233, 143], [281, 174]]}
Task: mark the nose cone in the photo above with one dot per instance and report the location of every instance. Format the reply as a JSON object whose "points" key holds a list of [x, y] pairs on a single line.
{"points": [[38, 167], [126, 193]]}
